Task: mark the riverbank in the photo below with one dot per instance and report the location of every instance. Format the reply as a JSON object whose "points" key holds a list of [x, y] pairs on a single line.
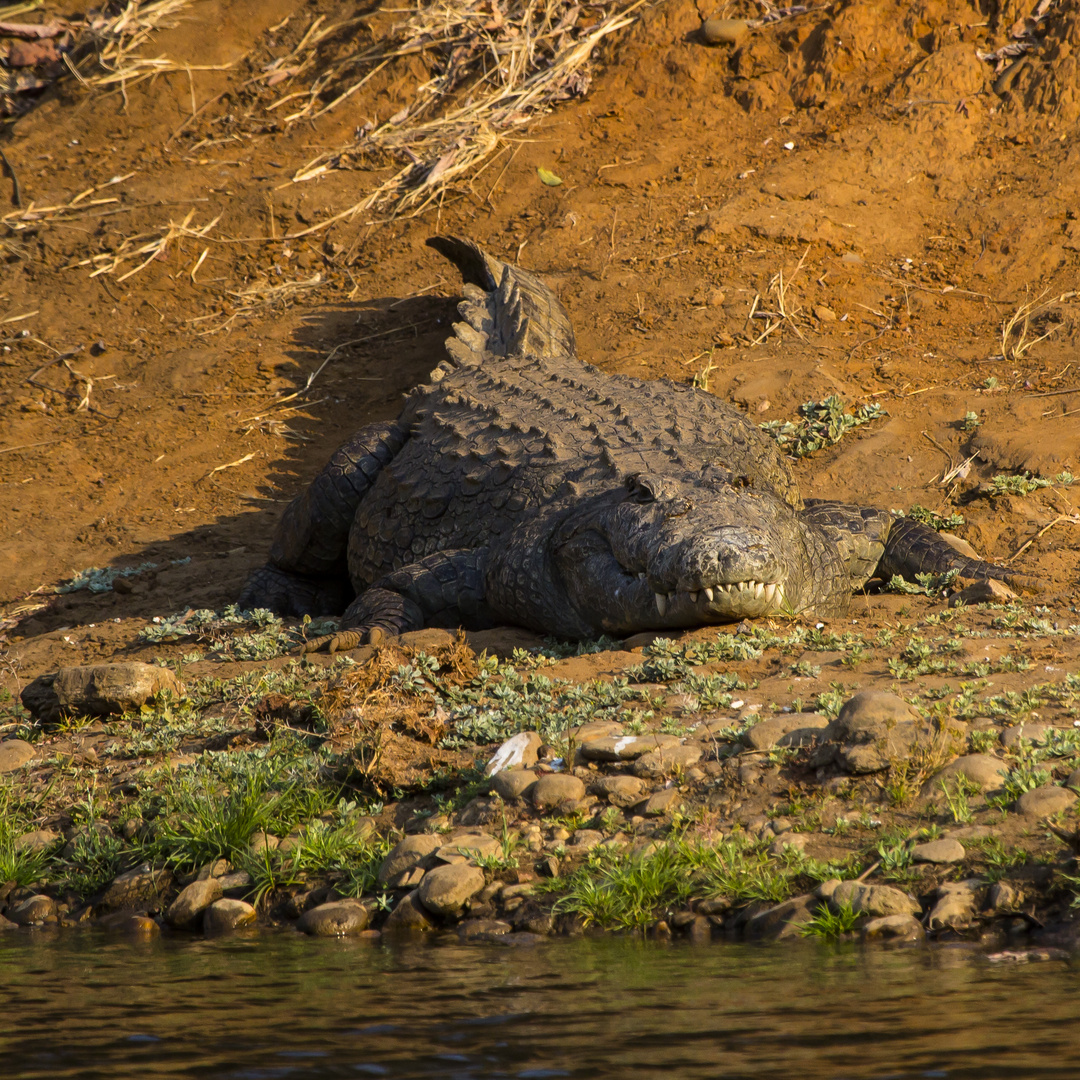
{"points": [[903, 775]]}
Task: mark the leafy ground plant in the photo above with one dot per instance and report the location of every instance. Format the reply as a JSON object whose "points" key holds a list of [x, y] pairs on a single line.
{"points": [[820, 423], [829, 925]]}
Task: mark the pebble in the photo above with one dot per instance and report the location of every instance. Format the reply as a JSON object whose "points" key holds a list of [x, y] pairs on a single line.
{"points": [[513, 783], [339, 918], [592, 730], [626, 747], [782, 920], [136, 886], [955, 904], [824, 314], [618, 790], [186, 910], [410, 852], [14, 754], [660, 803], [482, 929], [1002, 896], [795, 841], [448, 888], [518, 752], [1012, 736], [225, 915], [467, 846], [724, 31], [1045, 801], [585, 840], [262, 842], [939, 851], [659, 764], [556, 788]]}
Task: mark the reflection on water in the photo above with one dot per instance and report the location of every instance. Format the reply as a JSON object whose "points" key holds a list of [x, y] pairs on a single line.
{"points": [[292, 1008]]}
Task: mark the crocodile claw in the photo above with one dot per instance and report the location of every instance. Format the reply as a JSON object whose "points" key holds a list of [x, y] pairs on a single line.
{"points": [[342, 641]]}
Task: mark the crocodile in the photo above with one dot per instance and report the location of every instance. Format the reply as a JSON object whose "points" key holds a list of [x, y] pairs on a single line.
{"points": [[524, 486]]}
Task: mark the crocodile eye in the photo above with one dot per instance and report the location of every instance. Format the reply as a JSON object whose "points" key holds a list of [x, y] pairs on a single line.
{"points": [[642, 488]]}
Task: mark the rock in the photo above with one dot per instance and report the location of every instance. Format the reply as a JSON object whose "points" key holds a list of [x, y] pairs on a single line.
{"points": [[7, 924], [518, 752], [869, 899], [955, 905], [1045, 801], [223, 916], [659, 764], [1002, 897], [592, 730], [483, 929], [412, 851], [339, 918], [626, 747], [783, 920], [136, 887], [14, 754], [983, 592], [984, 770], [939, 851], [513, 783], [895, 929], [448, 888], [660, 803], [466, 846], [38, 840], [873, 730], [1073, 780], [794, 729], [794, 841], [1011, 737], [552, 789], [618, 790], [262, 842], [409, 915], [32, 911], [130, 923], [100, 689], [186, 910], [585, 840]]}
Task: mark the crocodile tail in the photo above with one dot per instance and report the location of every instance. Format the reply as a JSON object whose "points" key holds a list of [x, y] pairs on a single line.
{"points": [[508, 311]]}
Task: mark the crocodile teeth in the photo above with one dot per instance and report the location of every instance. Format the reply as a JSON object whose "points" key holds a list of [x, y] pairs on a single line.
{"points": [[671, 597], [759, 589], [709, 594], [661, 603], [693, 597], [641, 575]]}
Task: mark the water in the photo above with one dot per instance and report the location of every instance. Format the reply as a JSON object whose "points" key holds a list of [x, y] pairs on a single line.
{"points": [[281, 1006]]}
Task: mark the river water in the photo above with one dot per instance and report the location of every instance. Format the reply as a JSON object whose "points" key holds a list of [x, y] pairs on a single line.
{"points": [[283, 1006]]}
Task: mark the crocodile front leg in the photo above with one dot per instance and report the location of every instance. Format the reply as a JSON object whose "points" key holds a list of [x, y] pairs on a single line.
{"points": [[307, 573], [444, 589]]}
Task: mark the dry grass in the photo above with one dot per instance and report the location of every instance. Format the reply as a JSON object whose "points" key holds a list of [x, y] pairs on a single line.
{"points": [[496, 65], [1017, 334]]}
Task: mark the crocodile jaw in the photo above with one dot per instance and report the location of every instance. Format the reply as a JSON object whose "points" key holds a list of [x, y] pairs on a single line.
{"points": [[726, 602]]}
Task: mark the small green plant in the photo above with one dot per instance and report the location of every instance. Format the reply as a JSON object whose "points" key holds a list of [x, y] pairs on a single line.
{"points": [[983, 742], [820, 423], [970, 422], [956, 798], [830, 924], [933, 519]]}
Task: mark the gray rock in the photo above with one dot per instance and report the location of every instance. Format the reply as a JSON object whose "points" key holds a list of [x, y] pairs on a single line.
{"points": [[783, 920], [793, 729], [409, 915], [1011, 737], [448, 888], [410, 852], [585, 840], [894, 929], [955, 905], [339, 918], [1002, 897], [33, 910], [464, 847], [226, 915], [100, 689], [513, 783], [660, 803], [139, 886], [626, 747], [186, 910], [553, 789], [38, 840], [14, 754], [939, 851], [618, 790], [1045, 801], [868, 899], [592, 730], [659, 764], [518, 752], [794, 841], [984, 770], [873, 730]]}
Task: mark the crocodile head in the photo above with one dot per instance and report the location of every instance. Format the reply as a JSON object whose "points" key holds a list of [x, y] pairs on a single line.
{"points": [[673, 551]]}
